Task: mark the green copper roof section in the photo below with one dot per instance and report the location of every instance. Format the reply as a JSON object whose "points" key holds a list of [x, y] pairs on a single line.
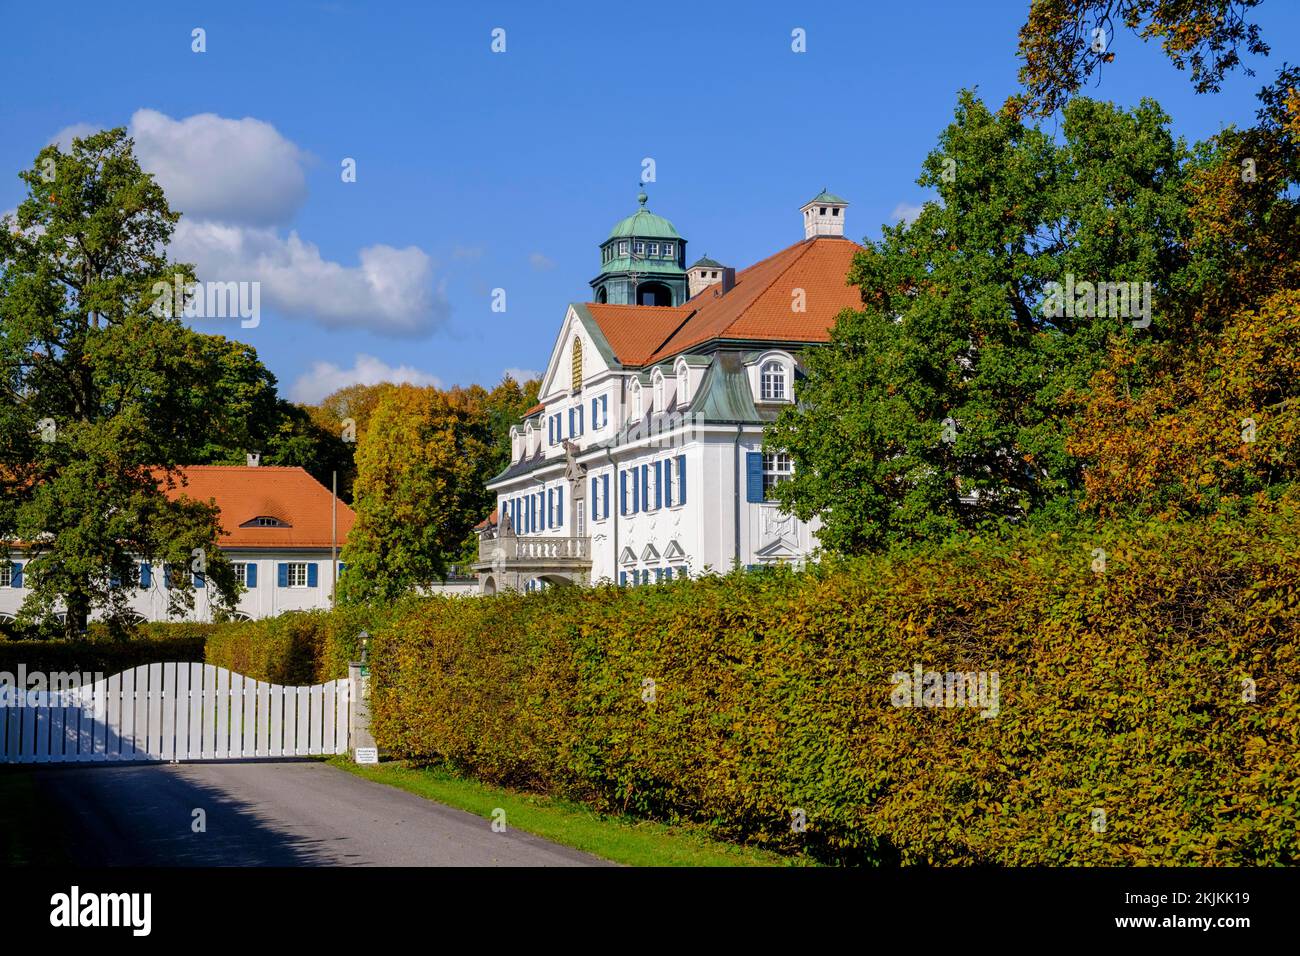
{"points": [[645, 266], [707, 263], [825, 196], [724, 394], [643, 224]]}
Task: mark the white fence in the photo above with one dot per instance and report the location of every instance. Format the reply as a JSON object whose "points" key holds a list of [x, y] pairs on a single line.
{"points": [[175, 712]]}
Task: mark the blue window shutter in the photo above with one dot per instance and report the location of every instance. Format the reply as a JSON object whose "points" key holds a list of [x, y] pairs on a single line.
{"points": [[622, 492], [282, 574], [579, 411], [659, 484], [595, 417], [17, 579], [167, 575], [312, 578], [198, 580], [604, 495], [595, 502], [622, 579], [681, 480], [146, 575], [636, 489], [250, 575], [571, 431], [604, 409], [754, 475], [559, 507], [550, 508], [668, 574]]}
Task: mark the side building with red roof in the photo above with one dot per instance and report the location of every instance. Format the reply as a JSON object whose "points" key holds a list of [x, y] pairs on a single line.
{"points": [[644, 459], [280, 527]]}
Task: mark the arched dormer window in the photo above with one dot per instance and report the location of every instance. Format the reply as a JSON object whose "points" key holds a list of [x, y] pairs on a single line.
{"points": [[577, 364], [773, 386], [683, 384], [657, 380], [637, 410]]}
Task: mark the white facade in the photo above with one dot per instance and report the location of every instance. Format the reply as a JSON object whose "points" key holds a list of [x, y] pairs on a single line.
{"points": [[279, 581]]}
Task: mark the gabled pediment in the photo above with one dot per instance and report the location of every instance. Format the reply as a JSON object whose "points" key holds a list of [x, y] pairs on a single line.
{"points": [[650, 553], [627, 557], [673, 552], [778, 549], [597, 356]]}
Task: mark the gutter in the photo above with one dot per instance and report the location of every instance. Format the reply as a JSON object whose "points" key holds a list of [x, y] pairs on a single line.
{"points": [[735, 505]]}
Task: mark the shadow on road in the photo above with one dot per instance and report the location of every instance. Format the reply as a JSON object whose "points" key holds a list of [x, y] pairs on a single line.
{"points": [[145, 815]]}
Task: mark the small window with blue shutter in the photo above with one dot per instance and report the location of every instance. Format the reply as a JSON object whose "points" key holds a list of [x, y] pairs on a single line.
{"points": [[250, 575], [623, 499], [282, 574], [604, 495], [559, 507], [199, 580], [681, 479], [313, 574], [11, 574], [146, 575]]}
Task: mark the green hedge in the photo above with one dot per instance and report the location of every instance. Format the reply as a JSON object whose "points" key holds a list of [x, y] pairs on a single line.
{"points": [[1119, 691], [305, 647], [149, 644]]}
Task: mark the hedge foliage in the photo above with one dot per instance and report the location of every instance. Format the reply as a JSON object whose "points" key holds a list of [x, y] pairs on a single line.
{"points": [[1120, 691], [98, 653], [305, 647]]}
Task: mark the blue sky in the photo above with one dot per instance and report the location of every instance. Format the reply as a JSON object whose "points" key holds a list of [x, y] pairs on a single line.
{"points": [[479, 170]]}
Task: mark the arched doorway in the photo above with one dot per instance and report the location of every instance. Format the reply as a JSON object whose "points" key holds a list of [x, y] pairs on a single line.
{"points": [[489, 585], [653, 293]]}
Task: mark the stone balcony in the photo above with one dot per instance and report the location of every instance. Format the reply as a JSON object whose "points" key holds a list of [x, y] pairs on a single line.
{"points": [[533, 553]]}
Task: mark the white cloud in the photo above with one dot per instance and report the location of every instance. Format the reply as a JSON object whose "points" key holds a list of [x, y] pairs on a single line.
{"points": [[521, 375], [390, 292], [906, 212], [326, 377], [65, 136], [229, 170], [540, 263]]}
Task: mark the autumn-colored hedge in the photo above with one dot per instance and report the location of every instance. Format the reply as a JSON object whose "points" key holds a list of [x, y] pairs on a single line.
{"points": [[1121, 692], [304, 647]]}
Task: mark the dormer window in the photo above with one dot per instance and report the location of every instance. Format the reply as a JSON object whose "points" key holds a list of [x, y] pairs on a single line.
{"points": [[683, 385], [668, 249], [265, 521], [636, 400], [622, 248], [638, 248], [659, 404], [654, 249], [772, 384]]}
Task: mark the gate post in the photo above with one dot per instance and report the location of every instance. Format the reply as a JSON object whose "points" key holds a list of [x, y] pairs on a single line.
{"points": [[359, 716]]}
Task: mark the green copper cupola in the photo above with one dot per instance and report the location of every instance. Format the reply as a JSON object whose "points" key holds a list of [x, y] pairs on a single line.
{"points": [[642, 261]]}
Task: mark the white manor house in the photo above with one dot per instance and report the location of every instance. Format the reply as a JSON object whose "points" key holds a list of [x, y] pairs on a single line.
{"points": [[644, 459]]}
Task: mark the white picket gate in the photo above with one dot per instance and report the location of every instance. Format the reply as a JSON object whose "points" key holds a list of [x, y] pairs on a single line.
{"points": [[175, 712]]}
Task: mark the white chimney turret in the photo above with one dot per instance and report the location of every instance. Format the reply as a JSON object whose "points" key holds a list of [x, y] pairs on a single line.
{"points": [[823, 215]]}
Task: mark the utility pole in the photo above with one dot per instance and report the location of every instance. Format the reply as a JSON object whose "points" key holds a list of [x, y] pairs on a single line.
{"points": [[334, 535]]}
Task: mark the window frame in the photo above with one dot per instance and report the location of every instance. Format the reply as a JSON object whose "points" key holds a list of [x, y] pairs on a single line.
{"points": [[292, 568], [781, 376], [778, 466]]}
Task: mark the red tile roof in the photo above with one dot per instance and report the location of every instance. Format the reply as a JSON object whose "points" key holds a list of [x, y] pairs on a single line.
{"points": [[539, 407], [243, 494], [488, 522], [757, 308], [635, 331]]}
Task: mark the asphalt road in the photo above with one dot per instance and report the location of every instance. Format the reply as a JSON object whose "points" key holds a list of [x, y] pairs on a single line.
{"points": [[258, 813]]}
